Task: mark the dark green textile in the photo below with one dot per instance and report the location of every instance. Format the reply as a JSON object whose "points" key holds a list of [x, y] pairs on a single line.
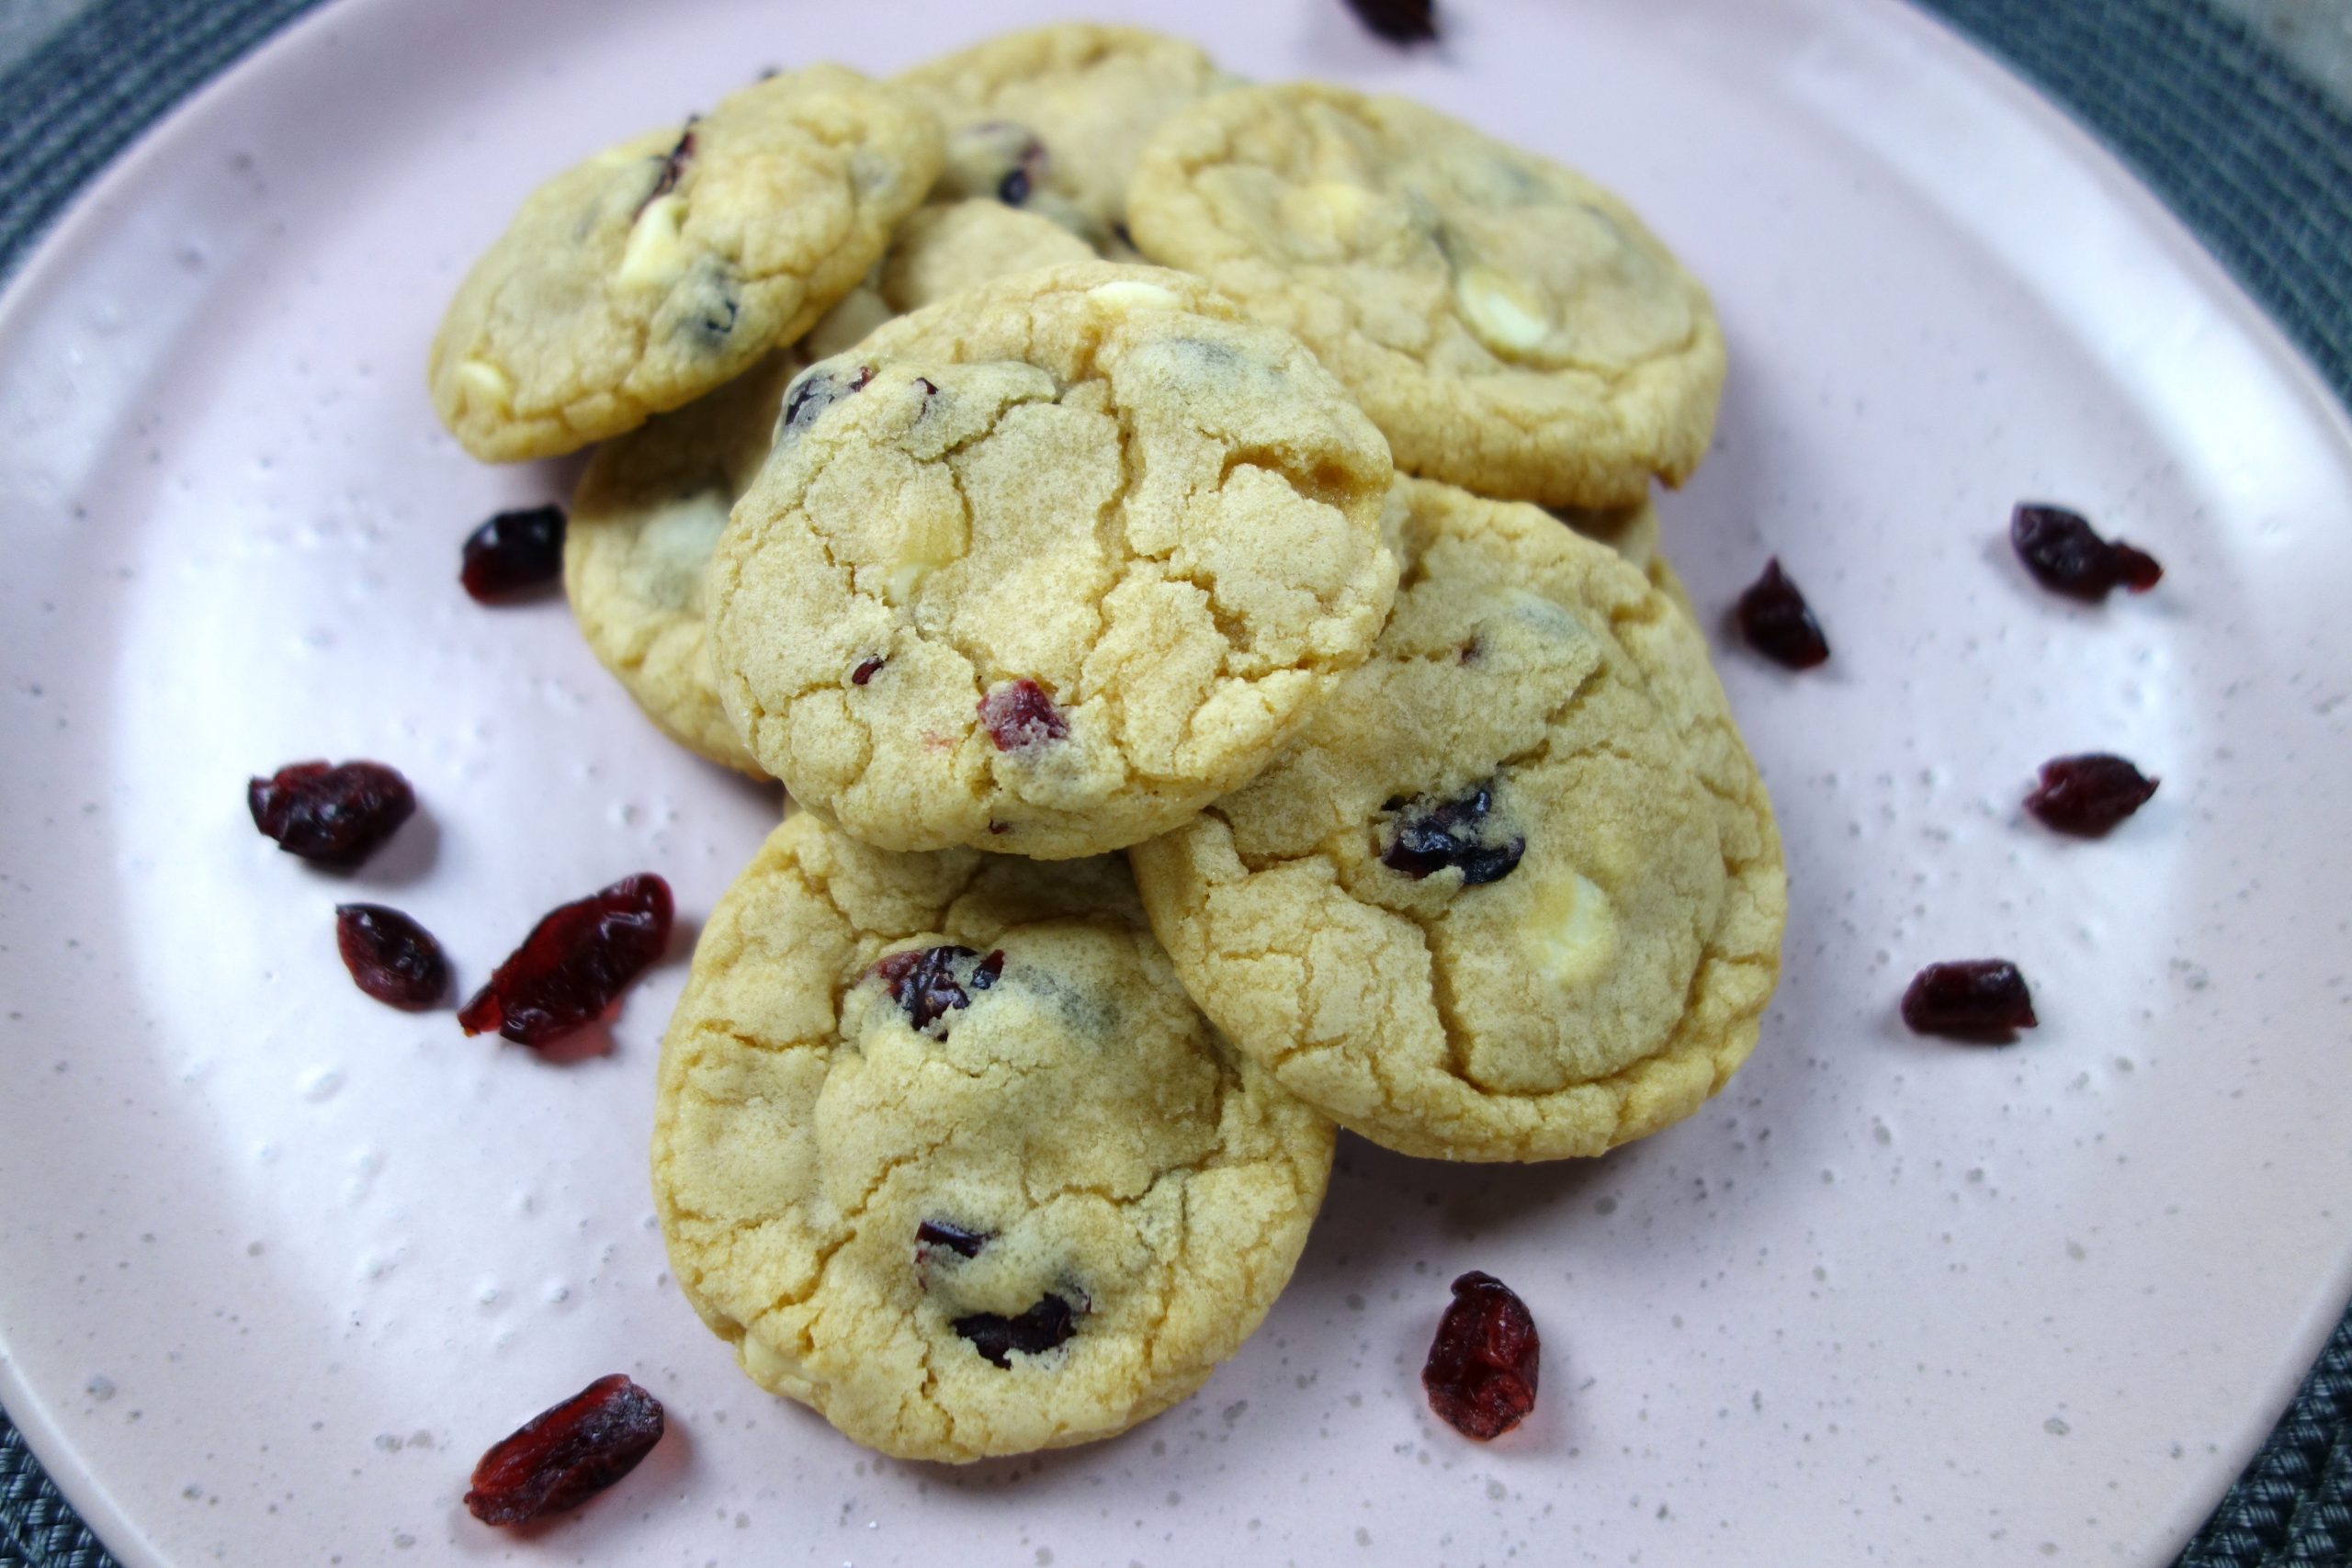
{"points": [[2255, 160]]}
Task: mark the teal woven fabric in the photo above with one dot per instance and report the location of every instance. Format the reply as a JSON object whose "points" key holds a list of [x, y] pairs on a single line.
{"points": [[2253, 159]]}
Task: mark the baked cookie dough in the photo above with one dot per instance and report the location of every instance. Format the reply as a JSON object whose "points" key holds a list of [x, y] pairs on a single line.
{"points": [[1047, 567], [656, 270], [1516, 893], [942, 1149], [1052, 118], [651, 504], [1632, 532], [1510, 326]]}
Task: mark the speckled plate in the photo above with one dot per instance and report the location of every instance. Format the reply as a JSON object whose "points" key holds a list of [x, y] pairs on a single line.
{"points": [[276, 1263]]}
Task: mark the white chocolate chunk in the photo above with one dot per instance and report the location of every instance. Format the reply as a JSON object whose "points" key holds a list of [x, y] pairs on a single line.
{"points": [[1507, 317], [487, 381], [1130, 295], [657, 253]]}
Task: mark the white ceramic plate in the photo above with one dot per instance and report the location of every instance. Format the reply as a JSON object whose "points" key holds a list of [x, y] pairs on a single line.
{"points": [[276, 1263]]}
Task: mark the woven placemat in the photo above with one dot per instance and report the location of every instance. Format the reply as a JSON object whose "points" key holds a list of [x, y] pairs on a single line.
{"points": [[2255, 159]]}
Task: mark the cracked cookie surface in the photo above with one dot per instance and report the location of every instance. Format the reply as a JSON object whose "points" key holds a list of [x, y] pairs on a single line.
{"points": [[1047, 567], [651, 504], [1052, 118], [942, 1149], [635, 282], [1516, 892], [1509, 326], [1632, 532]]}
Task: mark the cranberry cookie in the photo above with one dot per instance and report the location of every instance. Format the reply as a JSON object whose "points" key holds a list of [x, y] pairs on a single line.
{"points": [[1516, 893], [650, 274], [1509, 326], [1047, 568], [1051, 118], [943, 1151]]}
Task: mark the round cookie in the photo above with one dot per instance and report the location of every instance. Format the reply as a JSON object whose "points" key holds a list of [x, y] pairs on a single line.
{"points": [[1047, 567], [942, 1149], [1510, 326], [1516, 893], [651, 504], [653, 272], [1053, 117]]}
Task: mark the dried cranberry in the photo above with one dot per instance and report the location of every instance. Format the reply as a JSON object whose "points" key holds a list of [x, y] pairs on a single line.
{"points": [[866, 670], [1013, 189], [513, 551], [816, 390], [335, 815], [1398, 21], [1019, 714], [672, 166], [1427, 838], [566, 1454], [2067, 555], [1981, 998], [1482, 1363], [1779, 623], [576, 961], [391, 957], [2090, 794], [963, 1243], [1035, 1332], [930, 982]]}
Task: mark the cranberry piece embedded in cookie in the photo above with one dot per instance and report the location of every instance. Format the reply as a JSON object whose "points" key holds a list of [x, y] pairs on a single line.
{"points": [[1482, 1363], [336, 815], [2066, 555], [816, 390], [1427, 837], [566, 1454], [866, 670], [575, 963], [1398, 21], [997, 158], [673, 164], [1045, 1324], [391, 957], [931, 982], [513, 551], [2088, 795], [1978, 998], [955, 1238], [1019, 714], [1779, 623]]}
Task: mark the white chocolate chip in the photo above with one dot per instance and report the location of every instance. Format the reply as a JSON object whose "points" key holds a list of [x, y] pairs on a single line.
{"points": [[657, 254], [1130, 295], [1572, 936], [1507, 317], [488, 382]]}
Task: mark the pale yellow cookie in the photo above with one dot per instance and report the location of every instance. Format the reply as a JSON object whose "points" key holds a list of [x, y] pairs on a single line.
{"points": [[1632, 532], [1516, 893], [1509, 326], [1047, 567], [666, 266], [942, 1149], [1052, 118], [652, 503]]}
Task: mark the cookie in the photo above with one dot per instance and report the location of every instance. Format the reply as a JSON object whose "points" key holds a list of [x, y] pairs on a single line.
{"points": [[667, 265], [1045, 568], [1632, 532], [1510, 326], [651, 504], [942, 1149], [1052, 117], [1516, 893]]}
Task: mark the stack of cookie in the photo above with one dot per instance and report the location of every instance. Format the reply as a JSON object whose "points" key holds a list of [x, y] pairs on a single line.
{"points": [[1175, 777]]}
